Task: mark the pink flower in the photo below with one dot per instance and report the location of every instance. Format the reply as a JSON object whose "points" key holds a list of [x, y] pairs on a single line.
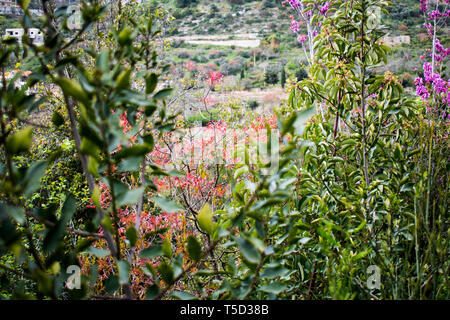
{"points": [[190, 66], [214, 77], [325, 8], [423, 5], [295, 26], [301, 38], [294, 3], [429, 28]]}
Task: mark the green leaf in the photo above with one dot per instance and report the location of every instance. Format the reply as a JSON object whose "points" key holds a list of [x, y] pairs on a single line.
{"points": [[150, 109], [175, 173], [123, 80], [124, 271], [89, 148], [73, 89], [194, 248], [19, 141], [17, 214], [248, 250], [302, 118], [112, 284], [101, 253], [151, 81], [152, 252], [134, 151], [96, 196], [57, 119], [163, 93], [102, 61], [288, 124], [24, 4], [183, 295], [55, 234], [273, 287], [107, 224], [205, 220], [150, 141], [167, 248], [33, 177], [239, 172], [166, 205], [152, 292], [274, 272], [132, 236], [129, 197], [166, 273], [93, 166], [125, 37]]}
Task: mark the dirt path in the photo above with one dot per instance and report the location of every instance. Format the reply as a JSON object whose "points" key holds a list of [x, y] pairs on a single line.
{"points": [[244, 40]]}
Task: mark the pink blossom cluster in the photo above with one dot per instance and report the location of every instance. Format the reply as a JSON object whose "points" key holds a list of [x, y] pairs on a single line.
{"points": [[432, 84], [421, 90], [305, 16], [296, 4], [441, 51], [434, 81], [423, 5], [436, 14], [325, 8], [295, 28], [429, 28], [214, 78], [301, 38]]}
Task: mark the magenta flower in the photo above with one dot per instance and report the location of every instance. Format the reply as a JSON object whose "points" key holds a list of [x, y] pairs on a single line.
{"points": [[301, 38], [295, 3], [423, 5], [295, 27], [429, 28], [325, 8], [427, 72], [422, 92]]}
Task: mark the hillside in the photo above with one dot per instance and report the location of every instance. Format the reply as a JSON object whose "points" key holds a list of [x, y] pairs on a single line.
{"points": [[250, 37]]}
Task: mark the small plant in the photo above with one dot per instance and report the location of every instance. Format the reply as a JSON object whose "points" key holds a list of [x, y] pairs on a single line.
{"points": [[253, 104]]}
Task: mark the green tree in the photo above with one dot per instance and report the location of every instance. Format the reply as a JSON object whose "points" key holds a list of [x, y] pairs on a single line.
{"points": [[271, 76]]}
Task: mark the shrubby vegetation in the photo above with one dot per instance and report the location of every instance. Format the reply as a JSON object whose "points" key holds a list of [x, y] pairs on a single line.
{"points": [[113, 161]]}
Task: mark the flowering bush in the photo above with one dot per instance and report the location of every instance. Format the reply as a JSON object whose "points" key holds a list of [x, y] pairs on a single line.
{"points": [[310, 14], [431, 85]]}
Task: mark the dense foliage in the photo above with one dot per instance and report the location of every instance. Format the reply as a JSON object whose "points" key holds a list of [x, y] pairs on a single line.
{"points": [[124, 166]]}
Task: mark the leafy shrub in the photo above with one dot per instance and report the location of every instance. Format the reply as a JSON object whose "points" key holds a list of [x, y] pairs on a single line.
{"points": [[252, 104], [271, 76]]}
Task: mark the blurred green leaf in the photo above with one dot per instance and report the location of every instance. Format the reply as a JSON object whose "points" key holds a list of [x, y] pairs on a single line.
{"points": [[166, 205], [194, 248], [248, 250], [205, 219], [124, 271], [19, 141], [55, 234]]}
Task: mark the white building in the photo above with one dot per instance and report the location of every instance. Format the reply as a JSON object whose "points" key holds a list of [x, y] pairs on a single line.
{"points": [[35, 34]]}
